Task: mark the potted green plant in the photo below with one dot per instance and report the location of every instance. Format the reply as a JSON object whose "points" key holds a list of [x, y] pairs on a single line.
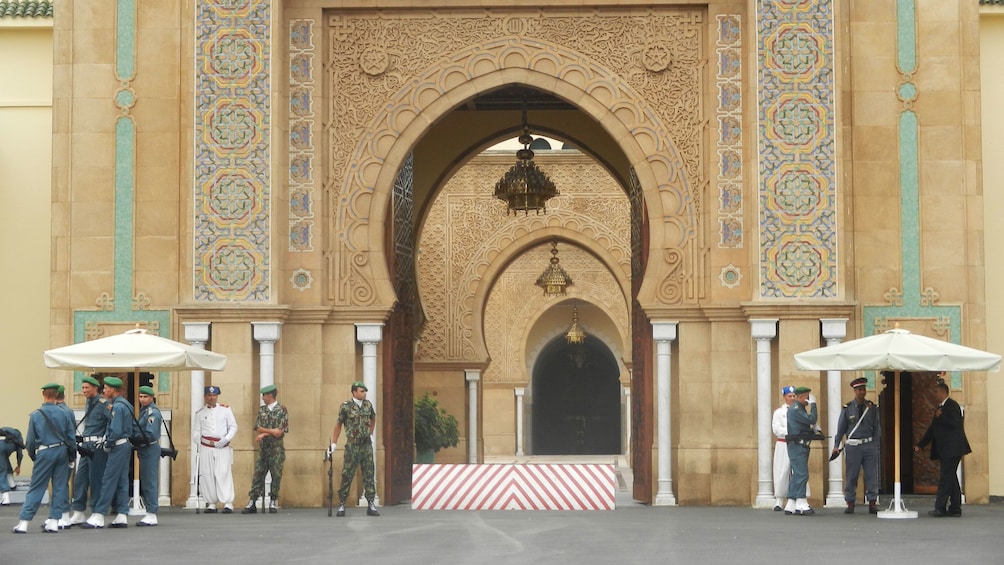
{"points": [[434, 429]]}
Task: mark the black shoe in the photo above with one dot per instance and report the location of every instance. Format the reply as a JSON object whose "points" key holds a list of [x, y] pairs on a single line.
{"points": [[872, 507], [371, 510], [806, 512], [778, 509], [210, 510], [849, 509], [955, 512], [789, 512], [228, 510], [272, 508], [341, 510], [250, 509], [937, 513]]}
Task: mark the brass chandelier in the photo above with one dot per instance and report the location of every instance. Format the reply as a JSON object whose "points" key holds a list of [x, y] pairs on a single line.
{"points": [[575, 333], [554, 280], [525, 187]]}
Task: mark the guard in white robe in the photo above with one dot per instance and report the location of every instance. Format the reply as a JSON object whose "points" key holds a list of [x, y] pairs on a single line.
{"points": [[215, 427]]}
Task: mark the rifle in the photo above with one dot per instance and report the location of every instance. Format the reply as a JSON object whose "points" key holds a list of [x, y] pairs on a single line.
{"points": [[329, 457], [198, 476]]}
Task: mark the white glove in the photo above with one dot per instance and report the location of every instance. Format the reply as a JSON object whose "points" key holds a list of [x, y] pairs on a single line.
{"points": [[331, 449], [812, 398]]}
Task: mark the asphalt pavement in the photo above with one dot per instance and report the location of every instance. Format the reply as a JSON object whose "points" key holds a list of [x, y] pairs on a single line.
{"points": [[632, 533]]}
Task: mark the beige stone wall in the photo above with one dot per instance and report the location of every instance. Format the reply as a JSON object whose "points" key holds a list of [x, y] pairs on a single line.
{"points": [[25, 215], [992, 92]]}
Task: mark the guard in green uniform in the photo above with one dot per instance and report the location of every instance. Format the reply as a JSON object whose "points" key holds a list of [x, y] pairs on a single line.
{"points": [[270, 427], [358, 417]]}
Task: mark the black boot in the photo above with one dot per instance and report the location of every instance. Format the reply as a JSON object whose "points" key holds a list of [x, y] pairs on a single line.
{"points": [[250, 508], [272, 508], [371, 510], [850, 507], [341, 509]]}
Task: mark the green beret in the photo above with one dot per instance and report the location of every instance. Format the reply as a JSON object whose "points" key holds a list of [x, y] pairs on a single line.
{"points": [[51, 385], [113, 382], [270, 389], [146, 390], [359, 384], [61, 389], [91, 380], [802, 390]]}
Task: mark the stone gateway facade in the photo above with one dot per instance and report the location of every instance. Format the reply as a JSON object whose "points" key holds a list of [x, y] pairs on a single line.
{"points": [[306, 187]]}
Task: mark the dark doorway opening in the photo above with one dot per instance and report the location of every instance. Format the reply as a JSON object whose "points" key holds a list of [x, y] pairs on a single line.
{"points": [[576, 406], [918, 474]]}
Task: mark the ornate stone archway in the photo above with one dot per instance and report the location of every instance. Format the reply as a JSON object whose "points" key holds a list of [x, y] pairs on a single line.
{"points": [[387, 96]]}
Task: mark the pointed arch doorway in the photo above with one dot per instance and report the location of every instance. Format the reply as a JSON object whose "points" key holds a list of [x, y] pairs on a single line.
{"points": [[576, 400]]}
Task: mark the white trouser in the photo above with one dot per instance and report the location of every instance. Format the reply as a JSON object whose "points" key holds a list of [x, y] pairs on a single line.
{"points": [[216, 482]]}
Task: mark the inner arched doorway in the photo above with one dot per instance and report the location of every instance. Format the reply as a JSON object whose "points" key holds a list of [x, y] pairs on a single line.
{"points": [[577, 409]]}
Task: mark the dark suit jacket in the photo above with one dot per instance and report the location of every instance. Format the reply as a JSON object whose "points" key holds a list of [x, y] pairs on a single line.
{"points": [[946, 434]]}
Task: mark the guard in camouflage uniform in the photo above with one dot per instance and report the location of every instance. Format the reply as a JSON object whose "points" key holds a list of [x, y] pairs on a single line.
{"points": [[270, 427], [359, 419]]}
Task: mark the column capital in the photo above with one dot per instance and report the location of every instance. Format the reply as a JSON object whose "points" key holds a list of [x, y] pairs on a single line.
{"points": [[266, 331], [369, 333], [664, 330], [520, 391], [834, 328], [472, 375], [196, 332], [764, 328]]}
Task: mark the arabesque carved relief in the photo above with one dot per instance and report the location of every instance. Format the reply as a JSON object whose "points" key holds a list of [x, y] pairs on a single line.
{"points": [[644, 67]]}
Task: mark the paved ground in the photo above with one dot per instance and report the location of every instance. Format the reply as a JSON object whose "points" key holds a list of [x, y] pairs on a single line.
{"points": [[630, 534]]}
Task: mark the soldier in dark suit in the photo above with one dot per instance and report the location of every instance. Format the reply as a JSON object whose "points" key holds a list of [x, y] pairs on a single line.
{"points": [[948, 444]]}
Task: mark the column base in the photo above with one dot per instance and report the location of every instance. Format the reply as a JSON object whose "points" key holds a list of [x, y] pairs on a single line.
{"points": [[194, 502], [764, 501]]}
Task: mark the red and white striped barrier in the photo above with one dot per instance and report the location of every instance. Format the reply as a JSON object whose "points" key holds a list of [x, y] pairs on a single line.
{"points": [[512, 487]]}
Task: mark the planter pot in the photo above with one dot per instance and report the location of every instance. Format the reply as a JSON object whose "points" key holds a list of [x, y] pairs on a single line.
{"points": [[425, 457]]}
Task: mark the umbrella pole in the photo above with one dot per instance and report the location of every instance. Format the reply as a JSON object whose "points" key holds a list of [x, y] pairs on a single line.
{"points": [[136, 508], [896, 509]]}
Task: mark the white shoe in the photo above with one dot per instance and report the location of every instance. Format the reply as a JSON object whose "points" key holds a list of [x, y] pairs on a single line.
{"points": [[77, 518], [21, 527], [96, 521], [4, 499], [120, 521], [64, 523], [51, 526], [789, 508], [148, 520]]}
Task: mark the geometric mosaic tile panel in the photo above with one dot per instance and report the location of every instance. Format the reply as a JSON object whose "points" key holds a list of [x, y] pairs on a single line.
{"points": [[301, 142], [797, 149], [231, 223], [729, 86]]}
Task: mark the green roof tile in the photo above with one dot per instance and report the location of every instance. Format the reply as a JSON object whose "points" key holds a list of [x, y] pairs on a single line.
{"points": [[25, 9]]}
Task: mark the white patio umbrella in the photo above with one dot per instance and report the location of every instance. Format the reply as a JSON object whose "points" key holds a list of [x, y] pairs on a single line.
{"points": [[897, 350], [133, 351]]}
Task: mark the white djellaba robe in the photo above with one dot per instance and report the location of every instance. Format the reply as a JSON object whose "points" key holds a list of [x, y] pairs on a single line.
{"points": [[782, 465], [216, 481]]}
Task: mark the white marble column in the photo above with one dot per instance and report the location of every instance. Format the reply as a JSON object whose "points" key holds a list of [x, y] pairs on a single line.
{"points": [[266, 334], [164, 483], [834, 330], [472, 376], [370, 336], [626, 448], [520, 392], [764, 331], [664, 333], [197, 334]]}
